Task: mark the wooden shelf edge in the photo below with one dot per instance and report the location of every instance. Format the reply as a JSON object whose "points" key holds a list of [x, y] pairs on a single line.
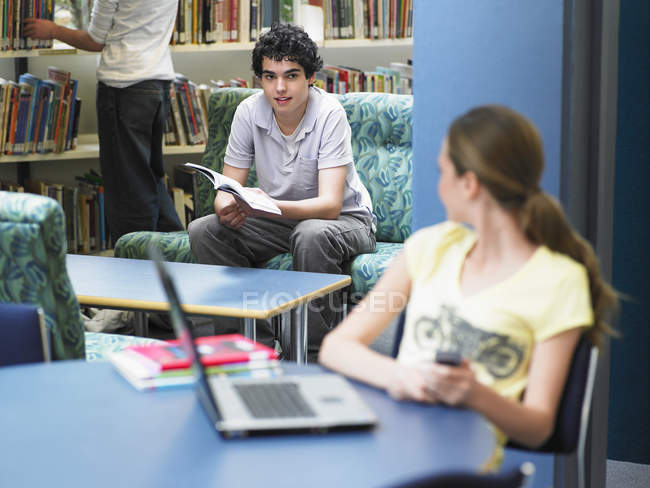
{"points": [[64, 50], [88, 148], [366, 43]]}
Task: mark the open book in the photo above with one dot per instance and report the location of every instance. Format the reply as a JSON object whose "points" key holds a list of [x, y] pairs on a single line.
{"points": [[253, 199]]}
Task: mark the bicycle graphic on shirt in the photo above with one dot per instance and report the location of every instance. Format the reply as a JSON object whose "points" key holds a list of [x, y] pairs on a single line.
{"points": [[448, 331]]}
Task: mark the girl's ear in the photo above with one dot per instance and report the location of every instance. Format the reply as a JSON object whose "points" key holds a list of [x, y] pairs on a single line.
{"points": [[471, 184]]}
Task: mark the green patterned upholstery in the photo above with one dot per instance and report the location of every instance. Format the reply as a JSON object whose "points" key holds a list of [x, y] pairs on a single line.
{"points": [[381, 143], [33, 270], [99, 344]]}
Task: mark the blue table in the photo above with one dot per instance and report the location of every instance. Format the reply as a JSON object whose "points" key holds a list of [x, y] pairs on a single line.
{"points": [[78, 424], [248, 293]]}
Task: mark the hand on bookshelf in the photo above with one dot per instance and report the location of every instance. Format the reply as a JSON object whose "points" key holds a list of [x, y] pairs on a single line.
{"points": [[39, 29]]}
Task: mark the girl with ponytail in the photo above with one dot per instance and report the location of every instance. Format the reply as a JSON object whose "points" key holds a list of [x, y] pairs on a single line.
{"points": [[505, 282]]}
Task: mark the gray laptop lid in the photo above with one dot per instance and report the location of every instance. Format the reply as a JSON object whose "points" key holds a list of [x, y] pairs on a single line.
{"points": [[186, 336], [334, 402]]}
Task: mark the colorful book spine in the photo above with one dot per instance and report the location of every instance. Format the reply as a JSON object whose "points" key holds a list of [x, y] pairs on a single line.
{"points": [[24, 102]]}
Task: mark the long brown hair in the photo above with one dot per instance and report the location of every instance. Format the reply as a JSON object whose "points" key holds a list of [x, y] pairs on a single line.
{"points": [[504, 150]]}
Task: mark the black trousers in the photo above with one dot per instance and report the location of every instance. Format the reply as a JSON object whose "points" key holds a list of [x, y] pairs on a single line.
{"points": [[130, 124]]}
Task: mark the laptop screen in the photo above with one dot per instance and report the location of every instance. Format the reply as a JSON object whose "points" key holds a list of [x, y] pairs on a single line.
{"points": [[186, 336]]}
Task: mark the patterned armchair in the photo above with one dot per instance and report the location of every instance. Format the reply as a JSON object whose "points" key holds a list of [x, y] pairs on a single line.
{"points": [[381, 143], [33, 270]]}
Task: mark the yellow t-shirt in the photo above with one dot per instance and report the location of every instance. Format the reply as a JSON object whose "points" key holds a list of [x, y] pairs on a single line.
{"points": [[497, 327]]}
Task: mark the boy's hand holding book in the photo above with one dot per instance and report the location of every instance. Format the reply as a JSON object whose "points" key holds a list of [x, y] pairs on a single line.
{"points": [[253, 201]]}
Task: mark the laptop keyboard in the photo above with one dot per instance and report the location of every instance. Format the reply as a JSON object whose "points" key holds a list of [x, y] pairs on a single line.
{"points": [[277, 400]]}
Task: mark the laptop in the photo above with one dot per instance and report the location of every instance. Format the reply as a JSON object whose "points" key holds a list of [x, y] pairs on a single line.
{"points": [[241, 406]]}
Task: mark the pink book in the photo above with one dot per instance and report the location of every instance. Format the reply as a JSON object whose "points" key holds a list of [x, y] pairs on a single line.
{"points": [[214, 350]]}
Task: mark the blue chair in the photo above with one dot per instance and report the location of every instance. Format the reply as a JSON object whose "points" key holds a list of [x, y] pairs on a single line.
{"points": [[515, 478], [23, 336], [33, 270], [572, 420]]}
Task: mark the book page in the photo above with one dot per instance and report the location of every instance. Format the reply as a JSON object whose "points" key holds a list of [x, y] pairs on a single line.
{"points": [[253, 199]]}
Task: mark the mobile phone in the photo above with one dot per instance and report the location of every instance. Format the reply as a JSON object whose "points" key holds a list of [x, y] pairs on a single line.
{"points": [[450, 358]]}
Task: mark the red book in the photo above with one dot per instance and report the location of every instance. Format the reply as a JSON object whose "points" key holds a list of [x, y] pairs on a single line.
{"points": [[214, 350]]}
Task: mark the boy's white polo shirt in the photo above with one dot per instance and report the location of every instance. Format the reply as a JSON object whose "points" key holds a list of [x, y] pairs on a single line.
{"points": [[322, 140]]}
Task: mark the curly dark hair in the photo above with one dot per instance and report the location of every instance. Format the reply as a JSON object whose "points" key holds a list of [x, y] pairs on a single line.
{"points": [[290, 42]]}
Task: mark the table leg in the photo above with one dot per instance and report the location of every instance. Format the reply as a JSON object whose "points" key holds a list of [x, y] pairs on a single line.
{"points": [[299, 334], [249, 328], [141, 324], [285, 335]]}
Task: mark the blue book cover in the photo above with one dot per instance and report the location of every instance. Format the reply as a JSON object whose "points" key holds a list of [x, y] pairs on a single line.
{"points": [[53, 115], [24, 101], [33, 107], [46, 91], [46, 134], [73, 101]]}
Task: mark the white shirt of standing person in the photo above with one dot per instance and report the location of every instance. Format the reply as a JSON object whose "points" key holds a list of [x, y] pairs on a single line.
{"points": [[136, 35]]}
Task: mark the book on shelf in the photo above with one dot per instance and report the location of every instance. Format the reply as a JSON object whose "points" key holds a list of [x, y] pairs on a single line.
{"points": [[13, 13], [34, 82], [71, 117], [43, 112], [188, 119], [175, 115], [22, 118], [257, 201], [365, 19], [10, 186], [178, 197], [53, 115], [48, 121], [186, 178], [166, 364], [63, 110], [75, 126], [9, 108]]}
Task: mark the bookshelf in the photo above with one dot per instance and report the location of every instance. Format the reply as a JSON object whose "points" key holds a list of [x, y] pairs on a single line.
{"points": [[200, 63]]}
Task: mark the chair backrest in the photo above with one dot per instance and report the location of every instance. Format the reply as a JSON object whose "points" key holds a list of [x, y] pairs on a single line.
{"points": [[514, 478], [381, 144], [23, 335], [573, 411], [33, 268], [572, 418]]}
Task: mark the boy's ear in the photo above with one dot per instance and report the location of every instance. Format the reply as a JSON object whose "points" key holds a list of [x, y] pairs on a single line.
{"points": [[311, 79]]}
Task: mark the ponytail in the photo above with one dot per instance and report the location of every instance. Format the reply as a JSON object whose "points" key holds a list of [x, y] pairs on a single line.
{"points": [[542, 219]]}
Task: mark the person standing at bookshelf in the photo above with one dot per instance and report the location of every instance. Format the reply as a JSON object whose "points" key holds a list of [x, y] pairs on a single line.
{"points": [[133, 77], [300, 140]]}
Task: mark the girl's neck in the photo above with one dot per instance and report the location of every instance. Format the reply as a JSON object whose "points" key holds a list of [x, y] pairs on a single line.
{"points": [[499, 237], [501, 248]]}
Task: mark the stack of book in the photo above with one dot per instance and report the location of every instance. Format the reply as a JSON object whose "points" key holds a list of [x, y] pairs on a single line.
{"points": [[13, 14], [167, 365], [83, 207], [39, 115], [207, 21], [187, 121], [344, 79]]}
